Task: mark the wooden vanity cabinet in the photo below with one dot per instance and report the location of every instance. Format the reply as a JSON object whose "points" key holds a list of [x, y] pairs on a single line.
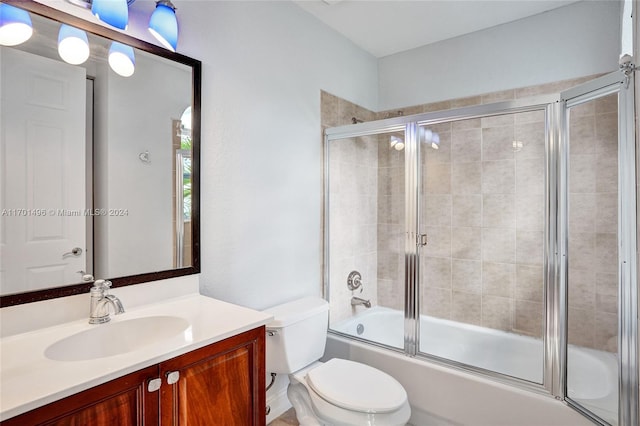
{"points": [[219, 384], [123, 402]]}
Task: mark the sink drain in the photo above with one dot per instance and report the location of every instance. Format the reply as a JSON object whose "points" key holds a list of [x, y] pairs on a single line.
{"points": [[360, 329]]}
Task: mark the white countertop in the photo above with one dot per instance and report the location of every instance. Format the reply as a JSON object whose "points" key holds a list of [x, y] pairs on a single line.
{"points": [[30, 380]]}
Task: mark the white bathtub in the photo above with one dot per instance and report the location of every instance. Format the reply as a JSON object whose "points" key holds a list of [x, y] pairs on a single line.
{"points": [[592, 374]]}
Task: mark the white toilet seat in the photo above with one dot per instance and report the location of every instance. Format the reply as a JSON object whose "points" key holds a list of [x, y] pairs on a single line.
{"points": [[334, 415], [356, 387]]}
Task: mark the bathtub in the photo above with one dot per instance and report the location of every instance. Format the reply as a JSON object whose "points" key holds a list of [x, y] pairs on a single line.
{"points": [[592, 375]]}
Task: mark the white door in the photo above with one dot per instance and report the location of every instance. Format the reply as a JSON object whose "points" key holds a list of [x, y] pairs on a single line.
{"points": [[42, 160]]}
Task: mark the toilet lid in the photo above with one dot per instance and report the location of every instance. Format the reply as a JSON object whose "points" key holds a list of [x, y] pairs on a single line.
{"points": [[356, 386]]}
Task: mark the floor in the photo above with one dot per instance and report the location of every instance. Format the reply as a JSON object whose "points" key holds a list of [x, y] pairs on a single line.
{"points": [[288, 418]]}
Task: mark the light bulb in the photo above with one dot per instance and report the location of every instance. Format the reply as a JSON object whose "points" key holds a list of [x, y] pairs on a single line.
{"points": [[73, 45], [121, 59], [15, 25]]}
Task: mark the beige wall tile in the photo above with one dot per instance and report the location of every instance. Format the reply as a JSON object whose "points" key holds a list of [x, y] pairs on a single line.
{"points": [[466, 178], [438, 179], [529, 318], [498, 121], [537, 116], [582, 131], [582, 212], [606, 173], [607, 284], [436, 302], [466, 308], [606, 303], [606, 332], [466, 210], [529, 211], [472, 123], [498, 279], [529, 247], [532, 136], [466, 243], [499, 245], [582, 289], [529, 283], [497, 142], [497, 312], [466, 145], [439, 242], [582, 173], [466, 276], [464, 102], [504, 95], [606, 133], [498, 177], [606, 212], [435, 272], [607, 252], [581, 327], [530, 175], [498, 211], [582, 250], [437, 210]]}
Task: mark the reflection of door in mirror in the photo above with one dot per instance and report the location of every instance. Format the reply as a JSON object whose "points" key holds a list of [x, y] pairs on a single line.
{"points": [[182, 190], [42, 151]]}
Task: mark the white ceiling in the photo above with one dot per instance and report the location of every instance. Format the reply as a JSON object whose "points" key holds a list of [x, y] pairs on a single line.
{"points": [[385, 27]]}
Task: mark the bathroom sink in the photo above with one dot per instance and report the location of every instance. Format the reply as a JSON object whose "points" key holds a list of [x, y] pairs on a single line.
{"points": [[116, 338]]}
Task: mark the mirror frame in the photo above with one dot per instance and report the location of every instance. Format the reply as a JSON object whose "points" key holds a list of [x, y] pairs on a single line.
{"points": [[196, 66]]}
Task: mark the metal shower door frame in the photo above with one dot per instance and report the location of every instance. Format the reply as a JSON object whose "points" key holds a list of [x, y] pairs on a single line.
{"points": [[616, 82]]}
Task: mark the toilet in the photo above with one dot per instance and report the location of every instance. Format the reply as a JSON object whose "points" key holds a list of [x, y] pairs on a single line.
{"points": [[338, 392]]}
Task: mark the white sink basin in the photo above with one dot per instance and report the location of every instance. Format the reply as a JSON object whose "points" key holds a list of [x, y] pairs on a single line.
{"points": [[116, 338]]}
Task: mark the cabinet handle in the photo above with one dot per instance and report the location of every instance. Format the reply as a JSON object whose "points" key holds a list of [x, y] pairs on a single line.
{"points": [[173, 377], [154, 384]]}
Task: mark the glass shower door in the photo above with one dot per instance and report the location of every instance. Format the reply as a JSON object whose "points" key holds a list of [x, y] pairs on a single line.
{"points": [[365, 235], [481, 272], [599, 176]]}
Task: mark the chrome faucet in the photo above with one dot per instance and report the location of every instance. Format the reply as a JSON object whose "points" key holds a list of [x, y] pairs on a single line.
{"points": [[100, 301], [355, 301]]}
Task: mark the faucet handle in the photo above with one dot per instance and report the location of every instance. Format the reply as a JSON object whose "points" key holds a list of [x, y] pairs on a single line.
{"points": [[101, 285]]}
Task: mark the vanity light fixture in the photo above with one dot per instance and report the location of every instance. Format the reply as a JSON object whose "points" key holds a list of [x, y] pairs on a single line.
{"points": [[164, 24], [15, 25], [121, 59], [73, 45], [112, 12]]}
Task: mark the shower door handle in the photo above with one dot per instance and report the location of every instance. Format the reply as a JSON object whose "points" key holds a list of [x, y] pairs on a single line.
{"points": [[421, 240]]}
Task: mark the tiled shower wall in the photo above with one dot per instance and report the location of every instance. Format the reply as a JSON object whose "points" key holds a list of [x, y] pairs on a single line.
{"points": [[483, 214]]}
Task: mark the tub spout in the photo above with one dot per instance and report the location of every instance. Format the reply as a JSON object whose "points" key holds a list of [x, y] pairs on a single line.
{"points": [[355, 301]]}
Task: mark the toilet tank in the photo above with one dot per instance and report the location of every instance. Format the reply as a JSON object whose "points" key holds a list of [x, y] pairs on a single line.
{"points": [[297, 335]]}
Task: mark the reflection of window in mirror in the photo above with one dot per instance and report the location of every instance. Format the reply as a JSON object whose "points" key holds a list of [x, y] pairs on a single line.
{"points": [[182, 189]]}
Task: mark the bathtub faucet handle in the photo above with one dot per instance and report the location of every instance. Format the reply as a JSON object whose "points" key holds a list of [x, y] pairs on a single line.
{"points": [[354, 280]]}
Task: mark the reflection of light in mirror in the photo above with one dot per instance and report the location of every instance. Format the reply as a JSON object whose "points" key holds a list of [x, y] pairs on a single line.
{"points": [[73, 45], [164, 25], [15, 25], [185, 119], [397, 143], [112, 12], [121, 59]]}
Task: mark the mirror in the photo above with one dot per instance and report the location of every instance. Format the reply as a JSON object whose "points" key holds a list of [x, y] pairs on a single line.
{"points": [[100, 168]]}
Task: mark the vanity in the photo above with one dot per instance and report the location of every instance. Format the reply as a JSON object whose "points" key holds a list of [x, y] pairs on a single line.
{"points": [[185, 360]]}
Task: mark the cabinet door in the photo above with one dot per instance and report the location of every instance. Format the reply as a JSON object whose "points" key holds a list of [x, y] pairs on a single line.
{"points": [[123, 402], [221, 384]]}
